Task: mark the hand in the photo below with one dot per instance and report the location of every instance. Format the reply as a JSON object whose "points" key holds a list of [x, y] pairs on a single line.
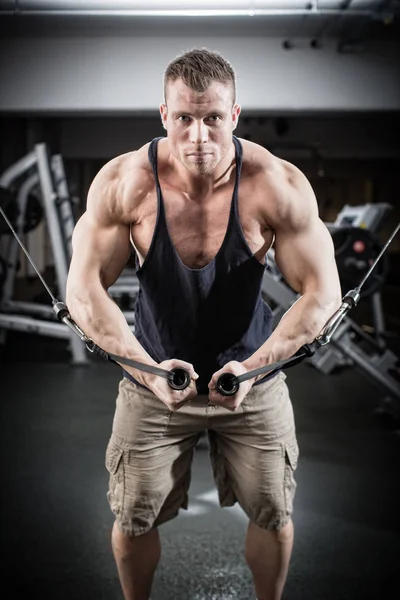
{"points": [[173, 399], [232, 403]]}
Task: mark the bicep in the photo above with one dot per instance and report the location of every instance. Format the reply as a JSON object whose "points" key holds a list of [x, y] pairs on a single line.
{"points": [[305, 257], [99, 252]]}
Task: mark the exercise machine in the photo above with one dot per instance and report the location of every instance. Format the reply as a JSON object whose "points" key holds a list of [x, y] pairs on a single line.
{"points": [[37, 175], [356, 247]]}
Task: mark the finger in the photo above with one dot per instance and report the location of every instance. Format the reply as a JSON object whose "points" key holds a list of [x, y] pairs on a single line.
{"points": [[230, 403], [213, 382], [226, 406], [213, 396], [220, 401], [233, 407], [190, 369]]}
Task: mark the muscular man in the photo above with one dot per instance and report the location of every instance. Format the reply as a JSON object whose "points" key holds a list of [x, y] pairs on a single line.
{"points": [[201, 208]]}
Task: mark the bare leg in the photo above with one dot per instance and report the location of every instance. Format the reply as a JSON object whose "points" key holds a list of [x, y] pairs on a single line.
{"points": [[268, 555], [137, 559]]}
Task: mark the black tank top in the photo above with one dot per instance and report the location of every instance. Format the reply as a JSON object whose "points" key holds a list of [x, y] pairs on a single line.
{"points": [[205, 316]]}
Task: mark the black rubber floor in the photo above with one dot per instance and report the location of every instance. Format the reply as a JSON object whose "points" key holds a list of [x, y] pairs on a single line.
{"points": [[55, 520]]}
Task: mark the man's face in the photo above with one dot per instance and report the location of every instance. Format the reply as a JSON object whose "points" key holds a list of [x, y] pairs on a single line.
{"points": [[199, 125]]}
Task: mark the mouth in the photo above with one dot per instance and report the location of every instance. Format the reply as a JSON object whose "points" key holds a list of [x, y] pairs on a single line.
{"points": [[199, 154]]}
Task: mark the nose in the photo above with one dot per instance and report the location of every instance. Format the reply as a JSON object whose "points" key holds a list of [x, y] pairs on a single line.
{"points": [[198, 133]]}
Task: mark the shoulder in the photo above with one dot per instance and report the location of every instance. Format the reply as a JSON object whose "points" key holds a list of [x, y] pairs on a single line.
{"points": [[288, 194], [274, 171], [120, 185]]}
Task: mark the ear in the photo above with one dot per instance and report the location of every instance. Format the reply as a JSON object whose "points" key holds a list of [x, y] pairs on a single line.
{"points": [[163, 114], [236, 110]]}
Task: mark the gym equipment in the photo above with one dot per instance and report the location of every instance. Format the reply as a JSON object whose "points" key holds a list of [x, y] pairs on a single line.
{"points": [[350, 345], [355, 251], [42, 194], [45, 174], [32, 216], [3, 267], [367, 216]]}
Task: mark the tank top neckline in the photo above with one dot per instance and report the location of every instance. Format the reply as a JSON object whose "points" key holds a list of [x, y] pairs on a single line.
{"points": [[233, 212]]}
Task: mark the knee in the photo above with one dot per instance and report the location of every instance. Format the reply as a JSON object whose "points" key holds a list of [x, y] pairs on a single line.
{"points": [[120, 541], [284, 534], [279, 535], [126, 543]]}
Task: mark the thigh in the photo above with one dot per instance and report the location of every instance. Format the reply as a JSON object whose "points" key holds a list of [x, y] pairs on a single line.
{"points": [[149, 472], [140, 418], [254, 458], [268, 411]]}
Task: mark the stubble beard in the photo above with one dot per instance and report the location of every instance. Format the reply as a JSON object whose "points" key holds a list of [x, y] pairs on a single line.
{"points": [[206, 167]]}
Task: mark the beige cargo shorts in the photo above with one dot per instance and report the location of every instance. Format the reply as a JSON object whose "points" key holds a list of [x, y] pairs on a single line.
{"points": [[253, 453]]}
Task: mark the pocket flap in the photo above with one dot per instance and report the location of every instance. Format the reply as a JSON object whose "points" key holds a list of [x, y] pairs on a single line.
{"points": [[292, 454], [113, 457]]}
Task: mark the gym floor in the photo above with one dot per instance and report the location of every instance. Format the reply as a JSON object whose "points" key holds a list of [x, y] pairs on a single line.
{"points": [[55, 520]]}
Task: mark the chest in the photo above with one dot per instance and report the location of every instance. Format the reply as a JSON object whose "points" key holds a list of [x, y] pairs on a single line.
{"points": [[198, 228]]}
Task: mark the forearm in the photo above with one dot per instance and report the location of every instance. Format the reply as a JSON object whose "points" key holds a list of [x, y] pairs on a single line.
{"points": [[102, 320], [299, 325]]}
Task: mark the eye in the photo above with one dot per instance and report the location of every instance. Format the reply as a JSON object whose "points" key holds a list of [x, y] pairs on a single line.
{"points": [[183, 118], [214, 118]]}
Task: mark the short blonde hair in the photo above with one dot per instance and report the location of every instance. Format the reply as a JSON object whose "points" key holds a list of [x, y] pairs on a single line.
{"points": [[198, 68]]}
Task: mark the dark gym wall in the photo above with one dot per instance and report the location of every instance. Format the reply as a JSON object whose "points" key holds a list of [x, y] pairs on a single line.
{"points": [[348, 159]]}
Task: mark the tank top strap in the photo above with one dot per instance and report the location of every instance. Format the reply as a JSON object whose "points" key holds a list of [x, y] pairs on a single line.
{"points": [[152, 154], [239, 163]]}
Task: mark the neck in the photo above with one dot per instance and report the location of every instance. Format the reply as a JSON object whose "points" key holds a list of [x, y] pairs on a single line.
{"points": [[198, 185]]}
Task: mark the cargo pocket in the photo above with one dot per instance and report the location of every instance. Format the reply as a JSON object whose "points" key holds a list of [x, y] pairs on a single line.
{"points": [[115, 467], [291, 459]]}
